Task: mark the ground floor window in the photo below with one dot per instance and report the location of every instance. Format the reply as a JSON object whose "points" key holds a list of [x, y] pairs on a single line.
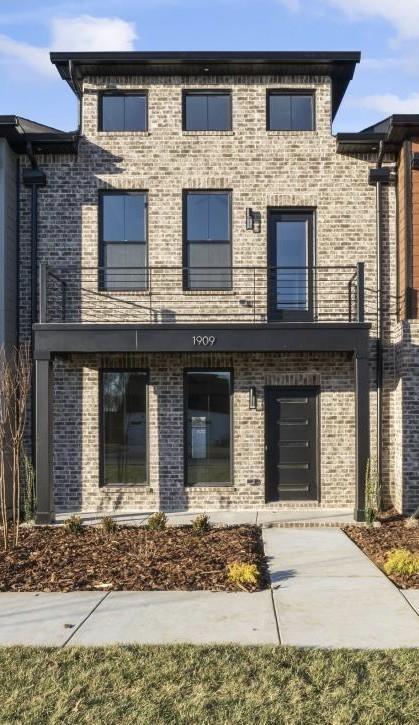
{"points": [[208, 427], [123, 398]]}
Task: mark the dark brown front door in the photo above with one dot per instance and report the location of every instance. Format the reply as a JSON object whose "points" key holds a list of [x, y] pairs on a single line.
{"points": [[291, 443]]}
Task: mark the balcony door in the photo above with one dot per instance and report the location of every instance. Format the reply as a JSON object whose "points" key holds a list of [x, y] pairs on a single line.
{"points": [[290, 262]]}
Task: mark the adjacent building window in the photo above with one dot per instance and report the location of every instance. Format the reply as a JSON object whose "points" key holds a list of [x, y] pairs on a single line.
{"points": [[207, 111], [208, 427], [123, 242], [207, 240], [290, 111], [123, 112], [124, 426]]}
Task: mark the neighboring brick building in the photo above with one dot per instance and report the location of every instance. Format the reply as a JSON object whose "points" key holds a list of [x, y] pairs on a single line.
{"points": [[208, 290]]}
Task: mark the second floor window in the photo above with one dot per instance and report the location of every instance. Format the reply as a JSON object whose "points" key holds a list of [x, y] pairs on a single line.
{"points": [[123, 240], [207, 111], [290, 111], [123, 112], [207, 240]]}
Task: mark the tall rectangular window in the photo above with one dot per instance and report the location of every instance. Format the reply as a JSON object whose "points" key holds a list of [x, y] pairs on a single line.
{"points": [[123, 242], [208, 240], [207, 111], [123, 112], [290, 111], [124, 426], [208, 427]]}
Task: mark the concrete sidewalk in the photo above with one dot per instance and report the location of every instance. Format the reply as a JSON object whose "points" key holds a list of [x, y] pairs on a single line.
{"points": [[324, 593]]}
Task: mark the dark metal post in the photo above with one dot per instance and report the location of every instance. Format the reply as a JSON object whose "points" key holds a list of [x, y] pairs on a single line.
{"points": [[360, 302], [43, 283], [43, 431], [362, 424]]}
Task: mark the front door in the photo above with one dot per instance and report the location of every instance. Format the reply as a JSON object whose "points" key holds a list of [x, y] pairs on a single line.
{"points": [[290, 263], [291, 443]]}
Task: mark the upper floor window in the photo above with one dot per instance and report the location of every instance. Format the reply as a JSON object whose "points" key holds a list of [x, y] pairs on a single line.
{"points": [[123, 112], [207, 111], [123, 240], [208, 239], [290, 111]]}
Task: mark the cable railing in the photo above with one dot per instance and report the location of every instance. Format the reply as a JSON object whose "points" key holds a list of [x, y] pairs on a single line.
{"points": [[173, 295]]}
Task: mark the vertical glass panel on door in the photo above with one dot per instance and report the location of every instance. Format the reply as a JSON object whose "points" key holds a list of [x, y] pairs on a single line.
{"points": [[291, 263], [124, 427], [207, 409]]}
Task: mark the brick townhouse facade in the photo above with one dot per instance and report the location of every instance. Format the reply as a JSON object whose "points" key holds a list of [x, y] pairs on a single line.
{"points": [[220, 293]]}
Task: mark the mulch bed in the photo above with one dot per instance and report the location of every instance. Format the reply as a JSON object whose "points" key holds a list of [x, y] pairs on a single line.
{"points": [[377, 542], [53, 560]]}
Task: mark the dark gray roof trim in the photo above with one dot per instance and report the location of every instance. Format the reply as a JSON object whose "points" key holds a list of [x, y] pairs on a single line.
{"points": [[44, 139], [73, 67], [392, 131]]}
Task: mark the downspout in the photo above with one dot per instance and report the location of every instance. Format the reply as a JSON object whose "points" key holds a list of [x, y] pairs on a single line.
{"points": [[379, 347], [33, 178]]}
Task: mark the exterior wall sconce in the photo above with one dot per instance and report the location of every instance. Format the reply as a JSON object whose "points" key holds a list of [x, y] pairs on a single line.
{"points": [[252, 397], [253, 220]]}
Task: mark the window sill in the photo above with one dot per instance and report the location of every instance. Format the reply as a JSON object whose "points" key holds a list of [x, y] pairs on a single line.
{"points": [[301, 134], [125, 487], [210, 486], [123, 134], [207, 133]]}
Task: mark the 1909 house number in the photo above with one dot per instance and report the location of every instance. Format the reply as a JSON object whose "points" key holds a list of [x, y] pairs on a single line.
{"points": [[204, 340]]}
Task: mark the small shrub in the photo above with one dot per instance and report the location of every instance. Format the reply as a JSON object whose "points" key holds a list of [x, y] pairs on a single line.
{"points": [[157, 521], [402, 561], [243, 575], [201, 524], [73, 525], [109, 526], [29, 501]]}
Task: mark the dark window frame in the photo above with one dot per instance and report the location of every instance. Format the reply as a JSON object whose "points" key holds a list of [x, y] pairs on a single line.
{"points": [[291, 92], [310, 212], [212, 92], [101, 243], [185, 241], [146, 373], [118, 93], [186, 371]]}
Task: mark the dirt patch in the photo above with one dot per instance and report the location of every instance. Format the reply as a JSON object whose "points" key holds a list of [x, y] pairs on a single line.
{"points": [[53, 560], [376, 543]]}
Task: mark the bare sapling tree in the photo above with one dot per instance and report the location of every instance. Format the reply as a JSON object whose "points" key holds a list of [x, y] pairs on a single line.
{"points": [[15, 384], [20, 384], [4, 425]]}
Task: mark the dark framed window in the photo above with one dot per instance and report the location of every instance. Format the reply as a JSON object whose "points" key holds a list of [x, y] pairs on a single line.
{"points": [[207, 240], [123, 426], [207, 111], [290, 111], [123, 112], [208, 427], [123, 240]]}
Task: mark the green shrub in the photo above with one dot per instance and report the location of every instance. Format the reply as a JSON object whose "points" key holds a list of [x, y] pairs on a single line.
{"points": [[201, 524], [243, 575], [157, 521], [402, 561], [73, 525], [109, 526]]}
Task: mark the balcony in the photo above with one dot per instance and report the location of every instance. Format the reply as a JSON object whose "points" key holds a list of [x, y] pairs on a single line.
{"points": [[201, 296]]}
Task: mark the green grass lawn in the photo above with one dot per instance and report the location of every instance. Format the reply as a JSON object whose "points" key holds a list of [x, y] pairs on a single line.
{"points": [[183, 684]]}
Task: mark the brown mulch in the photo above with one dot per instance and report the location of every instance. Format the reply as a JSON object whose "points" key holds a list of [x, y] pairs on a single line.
{"points": [[377, 542], [52, 560]]}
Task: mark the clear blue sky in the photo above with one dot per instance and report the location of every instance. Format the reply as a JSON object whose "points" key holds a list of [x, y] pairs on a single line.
{"points": [[385, 31]]}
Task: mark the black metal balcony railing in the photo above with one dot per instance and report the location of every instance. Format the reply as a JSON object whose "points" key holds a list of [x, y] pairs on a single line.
{"points": [[187, 295]]}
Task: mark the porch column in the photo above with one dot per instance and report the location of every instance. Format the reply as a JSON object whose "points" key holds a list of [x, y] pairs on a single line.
{"points": [[362, 424], [43, 431]]}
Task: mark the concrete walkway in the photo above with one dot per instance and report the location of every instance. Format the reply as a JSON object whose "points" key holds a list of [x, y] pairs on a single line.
{"points": [[324, 593]]}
